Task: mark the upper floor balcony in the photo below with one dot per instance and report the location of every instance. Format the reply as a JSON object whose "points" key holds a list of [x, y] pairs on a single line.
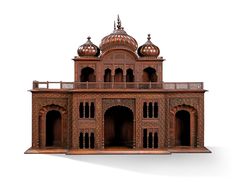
{"points": [[117, 85]]}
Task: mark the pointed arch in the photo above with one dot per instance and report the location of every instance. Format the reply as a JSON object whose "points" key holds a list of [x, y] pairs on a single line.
{"points": [[149, 75], [87, 75], [184, 124], [52, 126]]}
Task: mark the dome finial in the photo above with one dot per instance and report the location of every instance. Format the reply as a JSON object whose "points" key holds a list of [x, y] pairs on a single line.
{"points": [[118, 22], [149, 37], [89, 38]]}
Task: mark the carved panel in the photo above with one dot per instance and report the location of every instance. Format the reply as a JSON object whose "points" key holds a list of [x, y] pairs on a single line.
{"points": [[107, 103], [187, 101]]}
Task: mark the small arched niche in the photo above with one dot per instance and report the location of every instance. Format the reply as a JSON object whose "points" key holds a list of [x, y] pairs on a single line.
{"points": [[87, 75], [149, 75]]}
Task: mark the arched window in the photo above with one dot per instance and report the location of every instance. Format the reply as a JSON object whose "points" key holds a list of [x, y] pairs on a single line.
{"points": [[81, 110], [86, 110], [149, 75], [145, 138], [155, 110], [92, 110], [150, 110], [81, 139], [129, 75], [118, 75], [107, 75], [150, 140], [87, 75], [92, 140], [86, 140], [155, 140], [144, 110]]}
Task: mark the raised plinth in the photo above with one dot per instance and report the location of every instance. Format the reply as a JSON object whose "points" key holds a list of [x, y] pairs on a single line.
{"points": [[117, 151]]}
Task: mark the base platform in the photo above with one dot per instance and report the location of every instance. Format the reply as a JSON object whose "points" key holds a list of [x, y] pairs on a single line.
{"points": [[117, 151]]}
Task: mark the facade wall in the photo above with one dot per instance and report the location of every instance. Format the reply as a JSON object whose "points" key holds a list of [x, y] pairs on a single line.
{"points": [[68, 104]]}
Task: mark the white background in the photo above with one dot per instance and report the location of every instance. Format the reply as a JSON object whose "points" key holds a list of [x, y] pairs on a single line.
{"points": [[38, 40]]}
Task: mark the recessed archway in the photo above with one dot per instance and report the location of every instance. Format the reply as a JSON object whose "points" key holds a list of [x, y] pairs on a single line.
{"points": [[129, 75], [118, 75], [182, 128], [149, 75], [53, 129], [107, 75], [118, 127], [87, 75]]}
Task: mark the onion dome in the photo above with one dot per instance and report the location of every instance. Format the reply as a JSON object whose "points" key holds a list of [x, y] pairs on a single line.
{"points": [[118, 39], [88, 49], [148, 49]]}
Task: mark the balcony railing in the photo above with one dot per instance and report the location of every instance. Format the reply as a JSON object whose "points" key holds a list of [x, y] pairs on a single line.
{"points": [[118, 85]]}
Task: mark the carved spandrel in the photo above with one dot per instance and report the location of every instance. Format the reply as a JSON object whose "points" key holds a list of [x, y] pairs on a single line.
{"points": [[184, 101], [107, 103]]}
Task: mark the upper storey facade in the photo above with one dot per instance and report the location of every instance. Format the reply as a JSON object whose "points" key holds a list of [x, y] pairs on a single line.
{"points": [[119, 63]]}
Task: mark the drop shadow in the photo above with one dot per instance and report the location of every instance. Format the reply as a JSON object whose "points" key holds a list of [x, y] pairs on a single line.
{"points": [[190, 164]]}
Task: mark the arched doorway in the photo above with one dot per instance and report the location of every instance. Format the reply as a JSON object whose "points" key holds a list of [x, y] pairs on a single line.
{"points": [[107, 75], [129, 75], [118, 127], [182, 128], [87, 75], [118, 75], [53, 129], [149, 75]]}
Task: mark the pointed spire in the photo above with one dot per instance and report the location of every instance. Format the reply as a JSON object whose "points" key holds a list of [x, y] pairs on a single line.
{"points": [[88, 40], [118, 22], [149, 37]]}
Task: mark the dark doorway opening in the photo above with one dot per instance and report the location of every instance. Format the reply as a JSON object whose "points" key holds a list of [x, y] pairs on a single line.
{"points": [[53, 129], [87, 75], [149, 75], [118, 75], [107, 75], [129, 75], [118, 127], [182, 128]]}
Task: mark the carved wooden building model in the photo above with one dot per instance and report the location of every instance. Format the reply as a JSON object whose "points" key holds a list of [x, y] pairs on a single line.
{"points": [[118, 103]]}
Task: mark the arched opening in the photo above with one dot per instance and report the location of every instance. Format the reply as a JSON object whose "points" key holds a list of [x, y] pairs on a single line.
{"points": [[118, 127], [182, 128], [87, 75], [53, 129], [107, 75], [149, 75], [129, 75], [118, 75]]}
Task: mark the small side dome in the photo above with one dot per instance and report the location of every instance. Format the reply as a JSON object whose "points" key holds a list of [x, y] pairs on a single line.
{"points": [[88, 49], [148, 49]]}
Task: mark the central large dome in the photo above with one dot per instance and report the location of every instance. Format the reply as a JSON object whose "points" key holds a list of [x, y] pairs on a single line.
{"points": [[118, 39]]}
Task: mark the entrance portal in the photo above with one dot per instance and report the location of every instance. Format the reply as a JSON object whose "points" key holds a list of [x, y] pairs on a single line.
{"points": [[118, 127], [182, 128], [53, 129]]}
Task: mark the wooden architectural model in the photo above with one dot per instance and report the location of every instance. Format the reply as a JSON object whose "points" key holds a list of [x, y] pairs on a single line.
{"points": [[117, 104]]}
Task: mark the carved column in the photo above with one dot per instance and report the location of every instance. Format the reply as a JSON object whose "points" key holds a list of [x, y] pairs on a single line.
{"points": [[138, 128], [99, 124], [192, 128], [200, 122], [35, 123], [74, 122]]}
